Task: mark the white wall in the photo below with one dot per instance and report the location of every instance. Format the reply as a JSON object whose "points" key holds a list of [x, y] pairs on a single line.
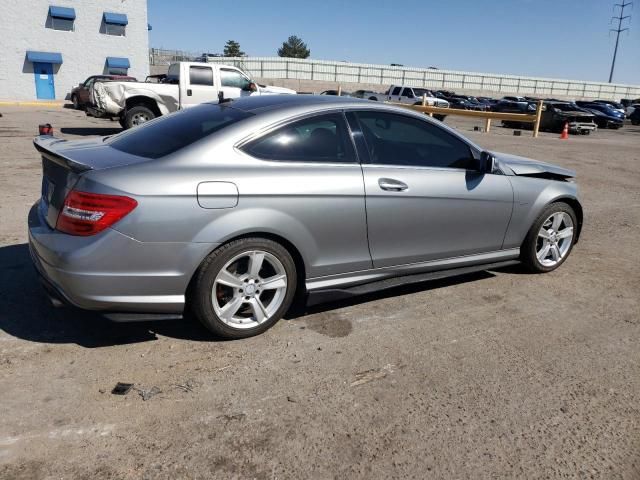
{"points": [[84, 51]]}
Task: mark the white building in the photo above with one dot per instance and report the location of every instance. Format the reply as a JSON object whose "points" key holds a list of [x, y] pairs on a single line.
{"points": [[50, 46]]}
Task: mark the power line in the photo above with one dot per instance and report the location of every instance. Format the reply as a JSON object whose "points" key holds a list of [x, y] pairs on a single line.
{"points": [[622, 17]]}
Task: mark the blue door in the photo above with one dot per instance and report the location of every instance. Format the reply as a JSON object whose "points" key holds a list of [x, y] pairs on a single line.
{"points": [[45, 89]]}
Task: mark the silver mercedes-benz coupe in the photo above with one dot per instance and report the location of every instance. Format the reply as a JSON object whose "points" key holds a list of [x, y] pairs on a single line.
{"points": [[233, 210]]}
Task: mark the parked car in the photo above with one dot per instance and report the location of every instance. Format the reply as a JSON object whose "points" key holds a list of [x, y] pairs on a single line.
{"points": [[555, 115], [635, 117], [414, 96], [511, 98], [470, 102], [631, 108], [335, 92], [411, 96], [603, 119], [80, 95], [366, 94], [185, 85], [459, 103], [618, 107], [233, 210], [488, 101], [511, 106], [605, 116]]}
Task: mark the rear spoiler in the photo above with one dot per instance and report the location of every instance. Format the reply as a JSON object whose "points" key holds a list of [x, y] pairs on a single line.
{"points": [[43, 144]]}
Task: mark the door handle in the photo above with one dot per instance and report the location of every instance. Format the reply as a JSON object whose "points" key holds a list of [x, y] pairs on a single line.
{"points": [[392, 185], [189, 92]]}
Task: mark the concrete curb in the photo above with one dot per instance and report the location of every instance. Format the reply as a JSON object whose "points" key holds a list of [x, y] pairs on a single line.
{"points": [[9, 103]]}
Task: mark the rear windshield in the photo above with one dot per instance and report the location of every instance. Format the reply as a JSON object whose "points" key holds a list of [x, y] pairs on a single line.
{"points": [[170, 134]]}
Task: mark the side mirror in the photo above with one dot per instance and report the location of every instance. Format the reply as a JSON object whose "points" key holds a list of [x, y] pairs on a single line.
{"points": [[487, 163], [252, 87]]}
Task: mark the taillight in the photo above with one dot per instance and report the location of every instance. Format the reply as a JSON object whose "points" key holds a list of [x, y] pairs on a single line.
{"points": [[89, 213]]}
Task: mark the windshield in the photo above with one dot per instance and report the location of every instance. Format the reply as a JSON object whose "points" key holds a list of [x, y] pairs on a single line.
{"points": [[565, 107], [173, 132], [422, 91]]}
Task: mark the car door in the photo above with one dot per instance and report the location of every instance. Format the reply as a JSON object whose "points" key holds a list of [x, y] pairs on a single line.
{"points": [[425, 198], [309, 177], [407, 96], [83, 92], [394, 94], [233, 83], [198, 86]]}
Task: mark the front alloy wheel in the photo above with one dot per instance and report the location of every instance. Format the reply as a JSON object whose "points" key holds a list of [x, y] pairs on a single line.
{"points": [[554, 239], [244, 287], [550, 238]]}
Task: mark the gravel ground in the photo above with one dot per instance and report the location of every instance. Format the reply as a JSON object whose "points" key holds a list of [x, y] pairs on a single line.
{"points": [[493, 375]]}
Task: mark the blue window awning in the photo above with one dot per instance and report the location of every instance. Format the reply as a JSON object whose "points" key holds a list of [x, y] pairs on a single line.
{"points": [[62, 12], [44, 57], [118, 62], [115, 18]]}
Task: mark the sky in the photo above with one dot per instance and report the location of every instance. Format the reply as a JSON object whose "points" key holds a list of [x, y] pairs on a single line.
{"points": [[567, 39]]}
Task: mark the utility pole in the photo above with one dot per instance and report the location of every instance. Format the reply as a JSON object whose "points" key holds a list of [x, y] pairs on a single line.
{"points": [[618, 30]]}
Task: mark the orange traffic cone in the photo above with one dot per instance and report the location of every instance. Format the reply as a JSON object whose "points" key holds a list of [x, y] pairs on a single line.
{"points": [[565, 131]]}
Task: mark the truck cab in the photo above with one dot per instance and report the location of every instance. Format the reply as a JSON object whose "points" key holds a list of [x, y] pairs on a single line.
{"points": [[414, 96], [186, 84]]}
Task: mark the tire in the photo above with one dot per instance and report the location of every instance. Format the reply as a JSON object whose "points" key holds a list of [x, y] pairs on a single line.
{"points": [[439, 117], [122, 122], [137, 116], [532, 252], [76, 104], [235, 311]]}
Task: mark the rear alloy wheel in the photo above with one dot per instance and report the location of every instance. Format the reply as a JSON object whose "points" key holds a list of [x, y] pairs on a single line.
{"points": [[137, 116], [244, 288], [550, 239]]}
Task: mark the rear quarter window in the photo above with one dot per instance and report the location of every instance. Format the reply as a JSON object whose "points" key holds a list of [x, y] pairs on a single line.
{"points": [[176, 131]]}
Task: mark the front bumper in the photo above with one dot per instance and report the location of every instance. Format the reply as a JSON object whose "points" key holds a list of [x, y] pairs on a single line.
{"points": [[581, 127], [112, 272]]}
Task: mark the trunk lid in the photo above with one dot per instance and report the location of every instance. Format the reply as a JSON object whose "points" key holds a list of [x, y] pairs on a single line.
{"points": [[63, 163]]}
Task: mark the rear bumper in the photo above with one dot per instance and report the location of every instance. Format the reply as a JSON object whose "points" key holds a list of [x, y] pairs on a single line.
{"points": [[111, 272]]}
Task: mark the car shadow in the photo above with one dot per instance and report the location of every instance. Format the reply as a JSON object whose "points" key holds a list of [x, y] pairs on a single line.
{"points": [[91, 131], [26, 313]]}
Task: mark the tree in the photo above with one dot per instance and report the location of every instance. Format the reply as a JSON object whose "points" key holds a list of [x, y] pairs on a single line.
{"points": [[294, 47], [232, 49]]}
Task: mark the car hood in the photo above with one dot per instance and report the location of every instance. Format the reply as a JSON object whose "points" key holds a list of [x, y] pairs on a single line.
{"points": [[276, 90], [527, 167]]}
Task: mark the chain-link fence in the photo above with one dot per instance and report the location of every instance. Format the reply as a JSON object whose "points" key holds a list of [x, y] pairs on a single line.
{"points": [[384, 75]]}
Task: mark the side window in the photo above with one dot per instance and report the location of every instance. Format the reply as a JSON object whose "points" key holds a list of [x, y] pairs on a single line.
{"points": [[323, 138], [396, 91], [233, 78], [407, 92], [173, 75], [201, 76], [394, 139], [89, 81]]}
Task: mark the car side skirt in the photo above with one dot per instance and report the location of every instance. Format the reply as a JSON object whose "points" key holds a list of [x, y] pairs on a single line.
{"points": [[324, 295], [441, 266]]}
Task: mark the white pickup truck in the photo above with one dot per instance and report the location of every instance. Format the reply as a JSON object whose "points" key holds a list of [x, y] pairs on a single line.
{"points": [[412, 96], [185, 85]]}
